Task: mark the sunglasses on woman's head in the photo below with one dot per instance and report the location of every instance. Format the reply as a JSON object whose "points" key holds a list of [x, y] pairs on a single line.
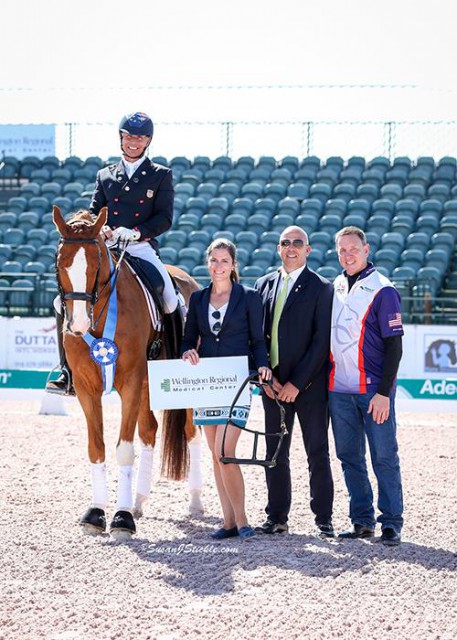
{"points": [[297, 242]]}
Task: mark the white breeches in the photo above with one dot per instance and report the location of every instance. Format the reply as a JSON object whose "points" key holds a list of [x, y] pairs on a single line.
{"points": [[145, 251]]}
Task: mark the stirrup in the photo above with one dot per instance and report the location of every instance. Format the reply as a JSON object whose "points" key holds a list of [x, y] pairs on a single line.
{"points": [[60, 388]]}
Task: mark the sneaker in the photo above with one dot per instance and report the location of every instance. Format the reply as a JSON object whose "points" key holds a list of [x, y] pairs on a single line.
{"points": [[325, 530], [272, 527]]}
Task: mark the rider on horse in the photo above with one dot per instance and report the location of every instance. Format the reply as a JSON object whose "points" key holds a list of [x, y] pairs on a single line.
{"points": [[139, 196]]}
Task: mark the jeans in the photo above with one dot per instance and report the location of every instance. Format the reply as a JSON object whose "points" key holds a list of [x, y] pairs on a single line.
{"points": [[352, 425]]}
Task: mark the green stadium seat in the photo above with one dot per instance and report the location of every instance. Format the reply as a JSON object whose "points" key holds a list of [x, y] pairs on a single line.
{"points": [[17, 204], [65, 204], [374, 240], [6, 252], [206, 190], [373, 177], [355, 220], [432, 276], [443, 238], [321, 192], [345, 191], [331, 223], [200, 239], [336, 206], [290, 163], [281, 221], [275, 191], [281, 176], [214, 176], [331, 259], [235, 176], [201, 271], [39, 204], [392, 237], [257, 222], [28, 220], [188, 222], [298, 191], [413, 258], [40, 176], [403, 273], [305, 177], [247, 240], [403, 224], [430, 205], [202, 163], [307, 221], [359, 206], [13, 237], [438, 258], [252, 271], [30, 189], [35, 267], [428, 223], [312, 206], [174, 238], [381, 163], [50, 163], [64, 175], [190, 257], [224, 163], [236, 222], [12, 266], [243, 206], [197, 206], [289, 205], [356, 162], [73, 190], [252, 191], [368, 192], [169, 255], [242, 256], [29, 164], [8, 220], [229, 190], [218, 206], [223, 233], [184, 189], [25, 252], [268, 162], [20, 296], [328, 271], [311, 162], [441, 192], [245, 163], [320, 240], [262, 257], [391, 192], [211, 222]]}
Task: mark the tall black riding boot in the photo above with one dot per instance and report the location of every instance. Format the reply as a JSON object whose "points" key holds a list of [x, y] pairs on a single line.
{"points": [[173, 326], [63, 384]]}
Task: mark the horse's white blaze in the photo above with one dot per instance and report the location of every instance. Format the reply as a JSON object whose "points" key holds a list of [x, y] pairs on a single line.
{"points": [[99, 485], [77, 273]]}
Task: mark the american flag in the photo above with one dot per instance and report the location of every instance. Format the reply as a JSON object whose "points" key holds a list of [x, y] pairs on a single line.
{"points": [[394, 320]]}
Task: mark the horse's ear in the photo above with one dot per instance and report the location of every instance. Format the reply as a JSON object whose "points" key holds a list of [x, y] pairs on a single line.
{"points": [[59, 219], [101, 220]]}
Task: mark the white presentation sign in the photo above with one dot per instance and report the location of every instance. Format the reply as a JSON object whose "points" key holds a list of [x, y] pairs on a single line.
{"points": [[213, 382]]}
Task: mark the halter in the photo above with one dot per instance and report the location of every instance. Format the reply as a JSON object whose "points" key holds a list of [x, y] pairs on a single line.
{"points": [[253, 379]]}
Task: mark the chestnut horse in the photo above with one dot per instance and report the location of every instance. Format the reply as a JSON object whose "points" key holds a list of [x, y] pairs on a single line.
{"points": [[87, 286]]}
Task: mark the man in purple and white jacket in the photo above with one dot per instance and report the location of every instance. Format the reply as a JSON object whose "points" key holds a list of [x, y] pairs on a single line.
{"points": [[366, 349]]}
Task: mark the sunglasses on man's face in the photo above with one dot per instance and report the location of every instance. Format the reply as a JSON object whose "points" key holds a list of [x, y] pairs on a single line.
{"points": [[297, 242]]}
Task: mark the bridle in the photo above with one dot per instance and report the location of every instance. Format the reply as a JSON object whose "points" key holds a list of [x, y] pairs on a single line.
{"points": [[94, 296]]}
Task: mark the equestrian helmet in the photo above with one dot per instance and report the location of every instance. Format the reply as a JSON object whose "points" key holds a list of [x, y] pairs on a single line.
{"points": [[137, 124]]}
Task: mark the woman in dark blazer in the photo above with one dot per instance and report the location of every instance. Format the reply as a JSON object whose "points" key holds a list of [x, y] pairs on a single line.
{"points": [[225, 319]]}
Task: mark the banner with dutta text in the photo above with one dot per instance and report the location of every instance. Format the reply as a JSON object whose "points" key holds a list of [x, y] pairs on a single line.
{"points": [[213, 382]]}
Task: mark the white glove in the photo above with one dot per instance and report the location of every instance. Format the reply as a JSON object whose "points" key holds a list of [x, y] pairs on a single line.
{"points": [[124, 234]]}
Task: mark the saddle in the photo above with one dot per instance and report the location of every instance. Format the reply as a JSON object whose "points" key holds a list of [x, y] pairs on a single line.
{"points": [[173, 323]]}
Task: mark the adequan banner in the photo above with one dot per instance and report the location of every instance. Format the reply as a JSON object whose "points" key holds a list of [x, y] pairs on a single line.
{"points": [[213, 382]]}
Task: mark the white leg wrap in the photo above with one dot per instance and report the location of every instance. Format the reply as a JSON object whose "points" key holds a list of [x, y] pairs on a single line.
{"points": [[99, 485], [144, 478], [124, 488], [195, 480]]}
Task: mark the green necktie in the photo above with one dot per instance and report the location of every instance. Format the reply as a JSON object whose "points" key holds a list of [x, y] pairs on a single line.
{"points": [[279, 306]]}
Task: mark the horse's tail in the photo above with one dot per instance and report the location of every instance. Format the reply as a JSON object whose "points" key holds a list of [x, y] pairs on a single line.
{"points": [[174, 444]]}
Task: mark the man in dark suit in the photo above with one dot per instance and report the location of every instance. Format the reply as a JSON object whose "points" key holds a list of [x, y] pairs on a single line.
{"points": [[139, 196], [298, 305]]}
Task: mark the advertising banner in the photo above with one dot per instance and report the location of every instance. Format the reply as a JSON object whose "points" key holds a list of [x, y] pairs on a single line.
{"points": [[213, 382], [21, 140]]}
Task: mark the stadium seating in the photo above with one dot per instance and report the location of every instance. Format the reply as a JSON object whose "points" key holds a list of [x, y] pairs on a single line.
{"points": [[407, 208]]}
